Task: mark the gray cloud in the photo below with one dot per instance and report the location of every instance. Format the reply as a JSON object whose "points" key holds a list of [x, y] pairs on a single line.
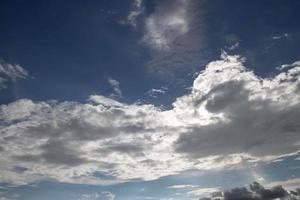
{"points": [[252, 126], [115, 86], [255, 191]]}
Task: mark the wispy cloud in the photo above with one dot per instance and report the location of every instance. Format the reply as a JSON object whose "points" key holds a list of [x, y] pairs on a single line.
{"points": [[282, 36], [168, 22], [11, 72], [154, 93], [98, 196], [115, 86]]}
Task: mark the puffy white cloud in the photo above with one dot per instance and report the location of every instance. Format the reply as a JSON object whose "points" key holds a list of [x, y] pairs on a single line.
{"points": [[10, 72], [244, 113], [230, 116]]}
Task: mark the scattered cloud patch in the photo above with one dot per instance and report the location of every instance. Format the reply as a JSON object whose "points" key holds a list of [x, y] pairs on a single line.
{"points": [[201, 192], [234, 46], [282, 36], [182, 186], [168, 22], [115, 86], [11, 72], [154, 93], [96, 196], [286, 66], [135, 12]]}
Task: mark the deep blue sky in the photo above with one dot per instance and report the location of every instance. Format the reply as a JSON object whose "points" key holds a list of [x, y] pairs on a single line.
{"points": [[71, 47], [141, 52]]}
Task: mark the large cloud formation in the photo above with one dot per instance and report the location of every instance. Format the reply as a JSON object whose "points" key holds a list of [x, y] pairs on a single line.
{"points": [[255, 191], [231, 115]]}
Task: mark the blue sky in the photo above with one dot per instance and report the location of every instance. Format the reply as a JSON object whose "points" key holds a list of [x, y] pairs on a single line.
{"points": [[148, 99]]}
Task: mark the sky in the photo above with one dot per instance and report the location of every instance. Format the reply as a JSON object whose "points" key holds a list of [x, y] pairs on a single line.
{"points": [[149, 100]]}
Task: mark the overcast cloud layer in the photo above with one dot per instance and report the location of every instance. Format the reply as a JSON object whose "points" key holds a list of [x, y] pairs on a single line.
{"points": [[230, 116]]}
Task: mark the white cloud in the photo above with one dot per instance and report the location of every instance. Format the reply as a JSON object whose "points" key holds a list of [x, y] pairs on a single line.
{"points": [[154, 93], [202, 192], [10, 72], [168, 22], [230, 116], [286, 66], [182, 186]]}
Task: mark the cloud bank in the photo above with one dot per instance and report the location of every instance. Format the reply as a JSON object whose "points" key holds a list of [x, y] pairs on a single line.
{"points": [[230, 116], [255, 191]]}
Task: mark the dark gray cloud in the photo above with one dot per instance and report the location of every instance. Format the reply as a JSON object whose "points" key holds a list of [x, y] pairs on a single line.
{"points": [[255, 191]]}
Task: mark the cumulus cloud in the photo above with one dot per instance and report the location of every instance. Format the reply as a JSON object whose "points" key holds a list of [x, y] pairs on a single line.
{"points": [[11, 72], [243, 113], [230, 116], [255, 191]]}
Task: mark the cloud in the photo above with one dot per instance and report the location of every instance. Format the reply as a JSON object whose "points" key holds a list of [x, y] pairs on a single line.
{"points": [[255, 191], [286, 66], [96, 196], [182, 186], [194, 190], [168, 22], [200, 192], [135, 12], [115, 86], [230, 116], [234, 46], [154, 93], [239, 112], [10, 72], [278, 37], [174, 34]]}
